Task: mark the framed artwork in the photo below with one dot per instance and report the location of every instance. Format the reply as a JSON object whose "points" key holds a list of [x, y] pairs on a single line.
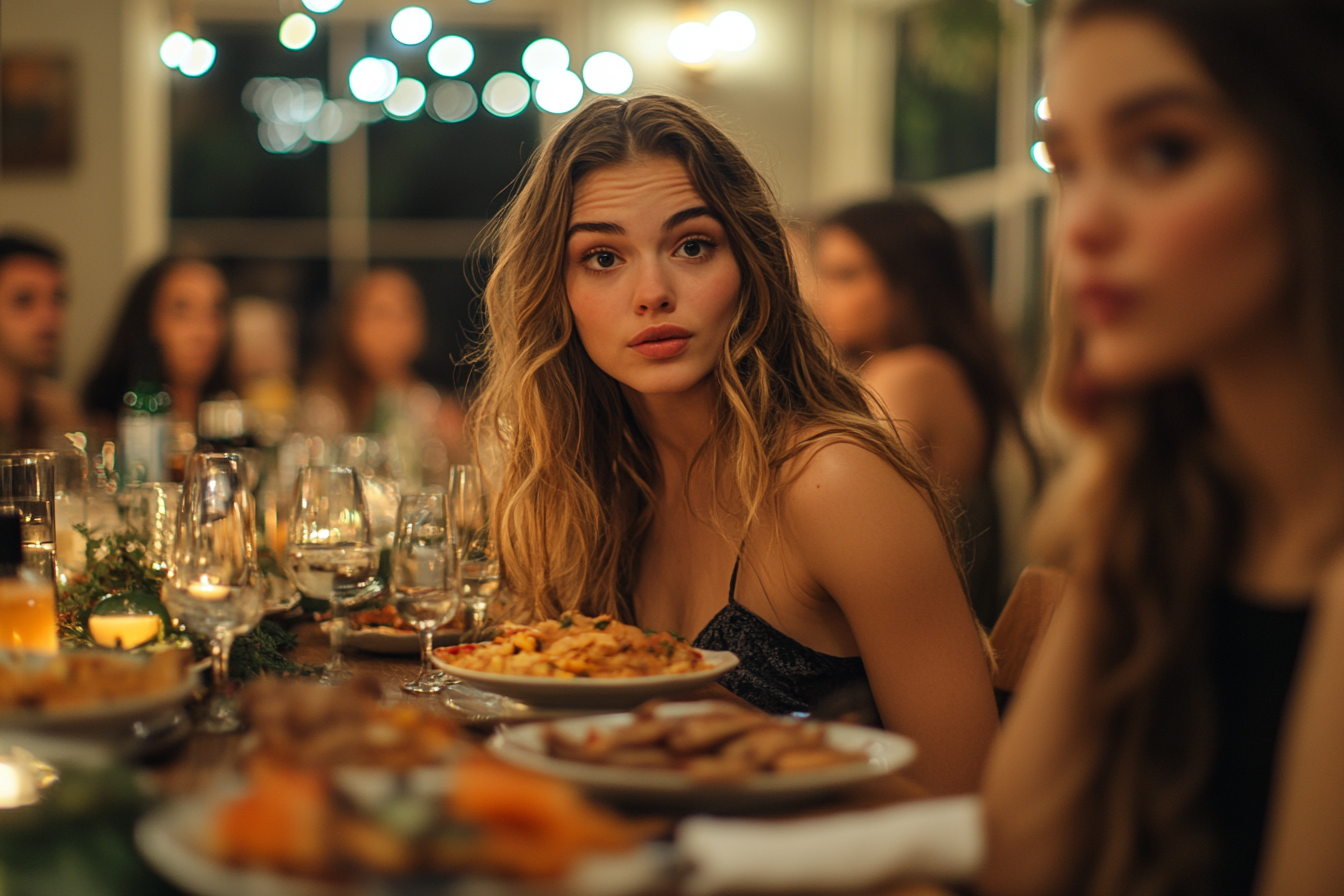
{"points": [[37, 113]]}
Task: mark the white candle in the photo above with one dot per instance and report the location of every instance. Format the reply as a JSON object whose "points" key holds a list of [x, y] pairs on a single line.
{"points": [[124, 630], [204, 590]]}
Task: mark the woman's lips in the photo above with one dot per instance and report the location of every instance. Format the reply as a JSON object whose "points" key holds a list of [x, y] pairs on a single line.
{"points": [[662, 341], [1104, 304]]}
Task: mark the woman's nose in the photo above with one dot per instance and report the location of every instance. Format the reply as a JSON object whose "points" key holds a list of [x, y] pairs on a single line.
{"points": [[653, 292]]}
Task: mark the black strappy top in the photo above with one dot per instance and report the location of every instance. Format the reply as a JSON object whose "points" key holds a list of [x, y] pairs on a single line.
{"points": [[781, 676]]}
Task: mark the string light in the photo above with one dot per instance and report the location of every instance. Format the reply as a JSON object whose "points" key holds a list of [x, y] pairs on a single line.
{"points": [[372, 79], [545, 56], [558, 92], [451, 56], [406, 101], [452, 101], [199, 59], [412, 25], [321, 6], [608, 73], [297, 31], [1041, 156], [506, 94]]}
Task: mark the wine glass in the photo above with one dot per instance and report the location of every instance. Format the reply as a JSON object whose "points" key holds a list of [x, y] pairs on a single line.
{"points": [[330, 554], [425, 582], [470, 510], [213, 585]]}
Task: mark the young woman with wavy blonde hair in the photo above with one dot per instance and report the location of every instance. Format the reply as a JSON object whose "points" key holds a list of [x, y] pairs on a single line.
{"points": [[685, 451]]}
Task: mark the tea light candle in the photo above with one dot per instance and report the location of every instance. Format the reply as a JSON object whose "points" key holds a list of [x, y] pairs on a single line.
{"points": [[124, 630], [204, 590]]}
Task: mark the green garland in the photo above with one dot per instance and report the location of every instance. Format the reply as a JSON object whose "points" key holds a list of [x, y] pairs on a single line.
{"points": [[117, 564]]}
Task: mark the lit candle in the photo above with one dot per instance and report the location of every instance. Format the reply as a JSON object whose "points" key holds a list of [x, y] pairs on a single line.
{"points": [[205, 590], [124, 630]]}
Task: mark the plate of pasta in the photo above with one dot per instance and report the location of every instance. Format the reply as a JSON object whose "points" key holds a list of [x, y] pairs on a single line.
{"points": [[580, 661]]}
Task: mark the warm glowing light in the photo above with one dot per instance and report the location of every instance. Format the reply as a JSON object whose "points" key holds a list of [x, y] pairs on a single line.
{"points": [[407, 100], [451, 56], [199, 60], [733, 31], [608, 73], [691, 43], [321, 6], [297, 31], [124, 630], [506, 94], [412, 25], [372, 80], [558, 93], [544, 57], [452, 101], [1043, 109], [1041, 156], [174, 49]]}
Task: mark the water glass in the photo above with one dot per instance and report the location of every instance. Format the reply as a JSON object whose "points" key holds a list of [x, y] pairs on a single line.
{"points": [[28, 487], [330, 554], [470, 508], [151, 513], [213, 586], [425, 584]]}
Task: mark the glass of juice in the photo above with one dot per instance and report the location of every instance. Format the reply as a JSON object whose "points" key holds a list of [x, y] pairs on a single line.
{"points": [[27, 599]]}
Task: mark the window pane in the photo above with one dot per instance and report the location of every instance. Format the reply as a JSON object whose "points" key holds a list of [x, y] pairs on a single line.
{"points": [[427, 169], [947, 89], [219, 168]]}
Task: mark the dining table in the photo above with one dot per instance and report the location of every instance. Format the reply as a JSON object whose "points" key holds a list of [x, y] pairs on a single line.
{"points": [[192, 764]]}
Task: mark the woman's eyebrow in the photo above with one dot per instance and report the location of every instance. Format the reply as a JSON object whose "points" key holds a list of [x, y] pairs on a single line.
{"points": [[688, 214], [1156, 99], [594, 227]]}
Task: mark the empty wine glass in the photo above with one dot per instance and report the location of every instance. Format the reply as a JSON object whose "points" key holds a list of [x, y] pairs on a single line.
{"points": [[470, 510], [213, 585], [425, 583], [330, 554]]}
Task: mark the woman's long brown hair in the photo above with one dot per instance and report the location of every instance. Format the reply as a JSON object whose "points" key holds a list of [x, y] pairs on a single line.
{"points": [[580, 477], [1150, 516]]}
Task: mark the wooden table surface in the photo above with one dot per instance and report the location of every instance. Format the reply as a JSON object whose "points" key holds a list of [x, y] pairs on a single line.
{"points": [[203, 755]]}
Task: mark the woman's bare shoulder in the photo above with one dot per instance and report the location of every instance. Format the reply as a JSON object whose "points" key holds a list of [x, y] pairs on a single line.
{"points": [[835, 474]]}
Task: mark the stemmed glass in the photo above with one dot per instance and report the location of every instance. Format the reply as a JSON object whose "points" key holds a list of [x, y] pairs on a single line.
{"points": [[330, 554], [213, 585], [425, 583], [470, 510]]}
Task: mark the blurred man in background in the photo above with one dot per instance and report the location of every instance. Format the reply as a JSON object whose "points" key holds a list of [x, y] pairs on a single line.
{"points": [[34, 409]]}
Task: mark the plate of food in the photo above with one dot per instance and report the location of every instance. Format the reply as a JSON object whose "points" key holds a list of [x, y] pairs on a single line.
{"points": [[706, 755], [342, 795], [382, 630], [91, 693], [583, 661]]}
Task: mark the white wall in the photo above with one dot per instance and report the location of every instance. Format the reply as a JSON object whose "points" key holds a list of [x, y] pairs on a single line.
{"points": [[109, 212]]}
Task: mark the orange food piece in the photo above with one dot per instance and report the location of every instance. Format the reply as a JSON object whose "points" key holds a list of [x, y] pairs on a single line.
{"points": [[282, 821], [531, 825]]}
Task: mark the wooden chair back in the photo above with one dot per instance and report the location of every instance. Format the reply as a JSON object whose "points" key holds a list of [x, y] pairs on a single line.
{"points": [[1024, 620]]}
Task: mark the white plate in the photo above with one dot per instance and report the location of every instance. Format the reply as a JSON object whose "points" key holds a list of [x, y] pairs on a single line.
{"points": [[112, 717], [525, 745], [385, 639], [595, 693]]}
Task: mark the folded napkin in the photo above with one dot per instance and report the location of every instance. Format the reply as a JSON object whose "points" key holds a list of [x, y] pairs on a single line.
{"points": [[939, 839]]}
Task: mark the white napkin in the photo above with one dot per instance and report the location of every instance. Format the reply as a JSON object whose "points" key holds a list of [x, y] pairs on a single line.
{"points": [[940, 839]]}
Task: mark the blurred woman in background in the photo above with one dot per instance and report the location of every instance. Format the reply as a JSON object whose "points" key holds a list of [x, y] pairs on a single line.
{"points": [[898, 295], [172, 335], [367, 381], [1182, 726]]}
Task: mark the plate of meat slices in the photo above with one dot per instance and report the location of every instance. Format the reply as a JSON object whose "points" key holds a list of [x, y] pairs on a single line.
{"points": [[707, 756]]}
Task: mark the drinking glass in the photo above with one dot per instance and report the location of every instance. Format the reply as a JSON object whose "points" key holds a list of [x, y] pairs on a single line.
{"points": [[425, 583], [28, 487], [470, 506], [71, 502], [330, 554], [151, 513], [213, 586]]}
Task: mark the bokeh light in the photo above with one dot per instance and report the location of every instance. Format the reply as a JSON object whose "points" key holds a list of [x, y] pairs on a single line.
{"points": [[372, 79], [412, 25], [321, 6], [1043, 109], [608, 73], [451, 56], [691, 43], [199, 60], [1041, 156], [558, 92], [506, 94], [733, 31], [297, 31], [452, 101], [174, 49], [281, 137], [545, 56], [407, 100]]}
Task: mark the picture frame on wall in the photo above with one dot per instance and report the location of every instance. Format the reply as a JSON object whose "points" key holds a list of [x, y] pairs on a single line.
{"points": [[37, 113]]}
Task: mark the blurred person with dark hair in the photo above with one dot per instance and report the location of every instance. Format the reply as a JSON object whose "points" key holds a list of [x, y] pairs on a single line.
{"points": [[34, 409], [172, 335], [367, 382], [898, 294]]}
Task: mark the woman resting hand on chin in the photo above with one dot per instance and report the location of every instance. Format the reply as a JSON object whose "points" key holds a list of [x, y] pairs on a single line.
{"points": [[684, 449]]}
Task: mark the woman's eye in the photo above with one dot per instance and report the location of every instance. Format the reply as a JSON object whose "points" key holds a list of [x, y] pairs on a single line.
{"points": [[1165, 152], [602, 259], [696, 248]]}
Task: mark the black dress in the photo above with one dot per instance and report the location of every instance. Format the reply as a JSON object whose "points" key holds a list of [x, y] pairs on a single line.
{"points": [[1255, 652], [781, 676]]}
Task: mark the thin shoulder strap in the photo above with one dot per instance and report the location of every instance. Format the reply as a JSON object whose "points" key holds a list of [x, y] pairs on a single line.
{"points": [[732, 583]]}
